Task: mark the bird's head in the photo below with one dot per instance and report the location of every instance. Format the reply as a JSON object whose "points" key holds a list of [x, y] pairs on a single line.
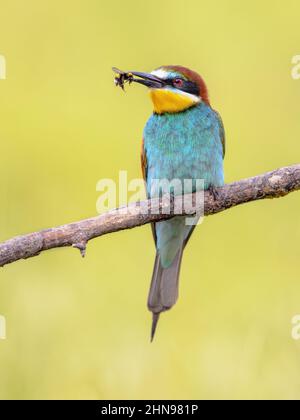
{"points": [[173, 88]]}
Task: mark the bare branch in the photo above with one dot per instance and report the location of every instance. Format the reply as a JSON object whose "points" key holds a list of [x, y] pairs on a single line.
{"points": [[269, 185]]}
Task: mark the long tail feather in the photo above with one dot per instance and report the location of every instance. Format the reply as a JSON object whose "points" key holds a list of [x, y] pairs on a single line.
{"points": [[155, 318], [163, 292]]}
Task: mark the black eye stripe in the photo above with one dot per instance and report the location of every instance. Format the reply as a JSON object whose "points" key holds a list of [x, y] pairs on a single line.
{"points": [[170, 81], [188, 86], [191, 87]]}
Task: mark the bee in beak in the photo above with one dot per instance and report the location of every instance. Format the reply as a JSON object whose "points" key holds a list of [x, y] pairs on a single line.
{"points": [[145, 79]]}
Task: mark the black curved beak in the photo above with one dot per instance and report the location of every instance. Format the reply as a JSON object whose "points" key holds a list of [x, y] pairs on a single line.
{"points": [[148, 80]]}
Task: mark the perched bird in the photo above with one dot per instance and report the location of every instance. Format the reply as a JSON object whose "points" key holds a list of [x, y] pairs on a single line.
{"points": [[183, 139]]}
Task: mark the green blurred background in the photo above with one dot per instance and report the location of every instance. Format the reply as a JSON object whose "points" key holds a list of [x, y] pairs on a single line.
{"points": [[80, 328]]}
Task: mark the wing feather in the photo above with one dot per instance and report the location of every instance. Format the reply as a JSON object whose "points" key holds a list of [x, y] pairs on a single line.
{"points": [[222, 132], [144, 172]]}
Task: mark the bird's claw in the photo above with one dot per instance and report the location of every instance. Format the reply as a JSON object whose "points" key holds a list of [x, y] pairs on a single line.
{"points": [[214, 192]]}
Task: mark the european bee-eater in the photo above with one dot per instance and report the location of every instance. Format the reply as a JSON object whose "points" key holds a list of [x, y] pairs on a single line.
{"points": [[183, 139]]}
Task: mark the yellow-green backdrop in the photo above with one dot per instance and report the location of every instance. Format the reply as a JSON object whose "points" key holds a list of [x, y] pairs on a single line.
{"points": [[79, 328]]}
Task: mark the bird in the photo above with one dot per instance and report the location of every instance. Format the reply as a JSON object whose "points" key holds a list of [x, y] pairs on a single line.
{"points": [[184, 138]]}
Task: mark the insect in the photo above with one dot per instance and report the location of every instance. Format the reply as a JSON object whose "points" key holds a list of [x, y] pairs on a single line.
{"points": [[122, 77]]}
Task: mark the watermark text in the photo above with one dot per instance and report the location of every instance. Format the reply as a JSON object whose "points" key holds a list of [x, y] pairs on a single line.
{"points": [[2, 67], [168, 197], [296, 67], [296, 327], [2, 328]]}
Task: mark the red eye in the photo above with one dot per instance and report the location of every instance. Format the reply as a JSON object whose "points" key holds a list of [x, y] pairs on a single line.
{"points": [[178, 83]]}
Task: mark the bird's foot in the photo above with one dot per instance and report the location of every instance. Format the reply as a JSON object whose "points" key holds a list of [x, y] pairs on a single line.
{"points": [[214, 192]]}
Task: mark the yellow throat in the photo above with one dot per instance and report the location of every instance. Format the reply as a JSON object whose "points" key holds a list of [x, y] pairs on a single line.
{"points": [[165, 100]]}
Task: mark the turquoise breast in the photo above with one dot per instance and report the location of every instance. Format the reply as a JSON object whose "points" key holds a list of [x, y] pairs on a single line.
{"points": [[185, 145]]}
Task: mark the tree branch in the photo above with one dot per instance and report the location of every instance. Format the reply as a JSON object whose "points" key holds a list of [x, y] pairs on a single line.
{"points": [[269, 185]]}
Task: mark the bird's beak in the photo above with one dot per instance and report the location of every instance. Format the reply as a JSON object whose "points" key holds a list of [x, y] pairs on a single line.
{"points": [[148, 80]]}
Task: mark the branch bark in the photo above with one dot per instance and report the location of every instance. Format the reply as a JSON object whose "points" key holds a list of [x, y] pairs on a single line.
{"points": [[273, 184]]}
